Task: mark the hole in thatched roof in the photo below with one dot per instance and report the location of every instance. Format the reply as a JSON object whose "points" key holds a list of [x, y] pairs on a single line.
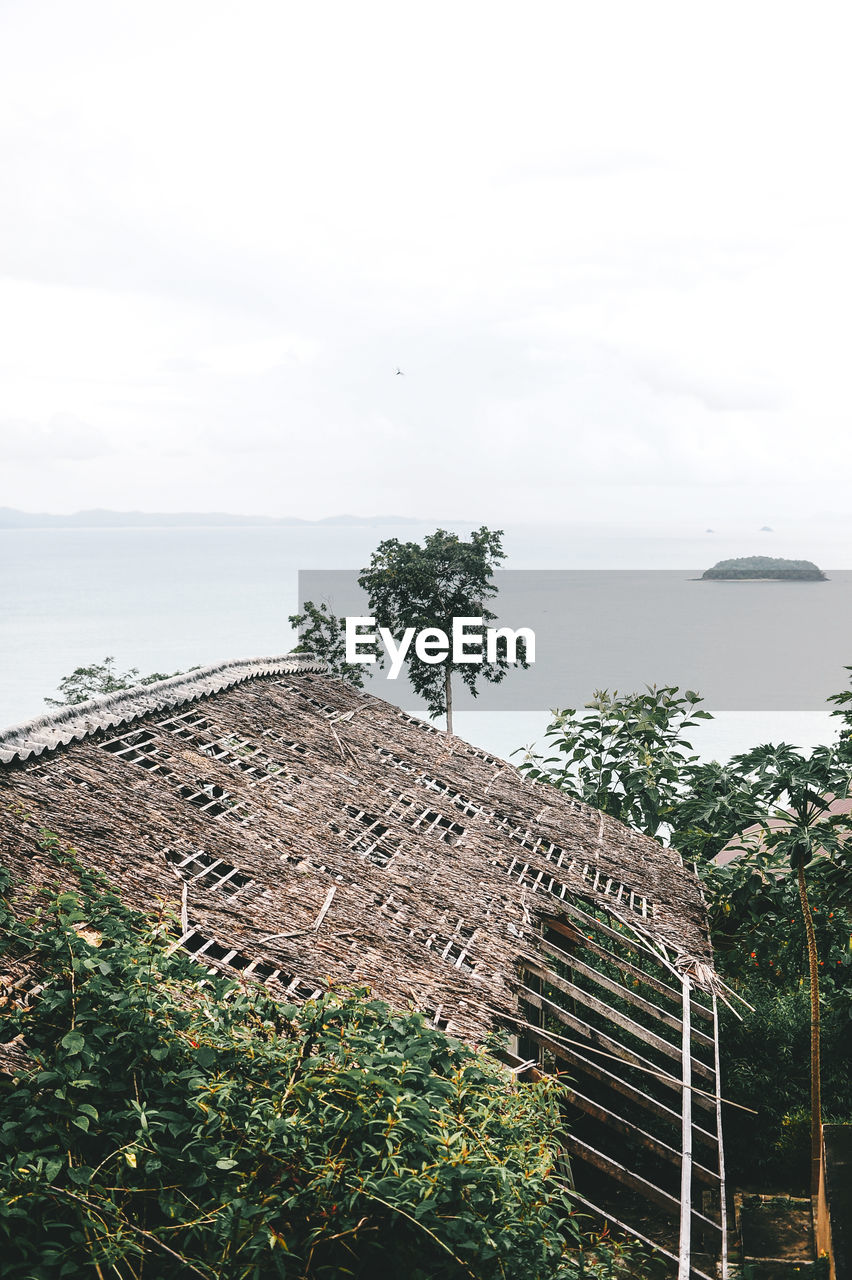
{"points": [[138, 747], [285, 741], [426, 821], [368, 835], [453, 795], [417, 724], [213, 800], [325, 707], [392, 758], [434, 1018], [206, 872]]}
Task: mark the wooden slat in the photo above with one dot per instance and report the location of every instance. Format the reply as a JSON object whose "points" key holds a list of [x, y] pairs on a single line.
{"points": [[685, 1248], [576, 935], [723, 1210], [628, 1178], [631, 1231], [627, 1024], [610, 984], [622, 1125], [593, 922], [610, 1045], [627, 1090], [617, 988], [626, 940]]}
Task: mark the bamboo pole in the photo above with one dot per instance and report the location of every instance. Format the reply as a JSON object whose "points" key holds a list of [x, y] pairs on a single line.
{"points": [[684, 1249], [723, 1207]]}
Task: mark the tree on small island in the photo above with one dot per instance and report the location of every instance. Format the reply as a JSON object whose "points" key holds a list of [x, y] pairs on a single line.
{"points": [[765, 567]]}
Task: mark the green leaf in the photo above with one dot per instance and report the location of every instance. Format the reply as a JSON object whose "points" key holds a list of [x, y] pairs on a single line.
{"points": [[73, 1042]]}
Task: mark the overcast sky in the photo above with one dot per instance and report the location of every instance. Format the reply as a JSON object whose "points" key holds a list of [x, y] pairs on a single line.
{"points": [[608, 245]]}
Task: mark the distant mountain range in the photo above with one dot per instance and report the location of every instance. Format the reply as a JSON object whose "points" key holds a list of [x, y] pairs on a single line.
{"points": [[101, 519]]}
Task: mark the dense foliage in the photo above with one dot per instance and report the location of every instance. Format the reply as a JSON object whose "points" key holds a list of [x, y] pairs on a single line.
{"points": [[759, 938], [631, 756], [177, 1123], [625, 755]]}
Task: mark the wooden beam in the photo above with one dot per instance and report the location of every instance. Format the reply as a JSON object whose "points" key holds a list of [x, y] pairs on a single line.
{"points": [[628, 1178], [631, 1231], [723, 1209], [628, 1056], [685, 1244], [617, 988], [615, 1121], [627, 1090], [575, 934], [649, 1038]]}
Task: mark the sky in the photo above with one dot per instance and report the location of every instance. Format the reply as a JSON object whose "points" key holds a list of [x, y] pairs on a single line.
{"points": [[607, 245]]}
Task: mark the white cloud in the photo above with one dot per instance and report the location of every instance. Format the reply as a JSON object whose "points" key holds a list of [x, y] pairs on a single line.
{"points": [[607, 244], [63, 439]]}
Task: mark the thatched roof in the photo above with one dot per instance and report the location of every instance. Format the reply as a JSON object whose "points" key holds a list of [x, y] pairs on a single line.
{"points": [[317, 833]]}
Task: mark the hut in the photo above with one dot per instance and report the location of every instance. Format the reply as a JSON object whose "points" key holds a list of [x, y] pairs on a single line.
{"points": [[301, 830]]}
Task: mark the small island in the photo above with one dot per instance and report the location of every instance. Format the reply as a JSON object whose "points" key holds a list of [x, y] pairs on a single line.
{"points": [[763, 568]]}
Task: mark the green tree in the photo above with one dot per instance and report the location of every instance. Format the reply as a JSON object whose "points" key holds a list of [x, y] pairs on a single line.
{"points": [[626, 755], [719, 801], [799, 827], [426, 587], [101, 677], [716, 803], [323, 634]]}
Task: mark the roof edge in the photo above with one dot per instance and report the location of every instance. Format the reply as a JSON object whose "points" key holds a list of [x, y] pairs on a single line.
{"points": [[73, 723]]}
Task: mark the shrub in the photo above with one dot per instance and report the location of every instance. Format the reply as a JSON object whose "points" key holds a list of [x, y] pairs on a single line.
{"points": [[766, 1066], [180, 1123]]}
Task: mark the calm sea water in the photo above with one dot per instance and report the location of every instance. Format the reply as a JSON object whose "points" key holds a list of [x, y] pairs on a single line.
{"points": [[163, 599]]}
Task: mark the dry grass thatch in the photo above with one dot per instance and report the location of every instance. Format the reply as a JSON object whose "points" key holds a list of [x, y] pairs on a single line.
{"points": [[277, 799]]}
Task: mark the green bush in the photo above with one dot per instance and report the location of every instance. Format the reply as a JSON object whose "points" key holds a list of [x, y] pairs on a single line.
{"points": [[177, 1123], [766, 1066]]}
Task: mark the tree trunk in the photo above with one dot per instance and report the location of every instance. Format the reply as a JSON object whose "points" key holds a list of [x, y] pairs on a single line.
{"points": [[448, 695], [816, 1098]]}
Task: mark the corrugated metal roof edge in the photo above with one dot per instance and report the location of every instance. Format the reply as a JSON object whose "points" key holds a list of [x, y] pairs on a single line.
{"points": [[58, 728]]}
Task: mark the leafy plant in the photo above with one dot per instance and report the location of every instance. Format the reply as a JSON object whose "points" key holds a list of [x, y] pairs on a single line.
{"points": [[843, 709], [779, 912], [100, 678], [765, 1066], [801, 826], [323, 634], [180, 1123], [626, 755]]}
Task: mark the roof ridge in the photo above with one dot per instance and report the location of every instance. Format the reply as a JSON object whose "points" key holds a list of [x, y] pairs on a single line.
{"points": [[80, 720]]}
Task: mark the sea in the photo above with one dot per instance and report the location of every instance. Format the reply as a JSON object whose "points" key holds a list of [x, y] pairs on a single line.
{"points": [[167, 598]]}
